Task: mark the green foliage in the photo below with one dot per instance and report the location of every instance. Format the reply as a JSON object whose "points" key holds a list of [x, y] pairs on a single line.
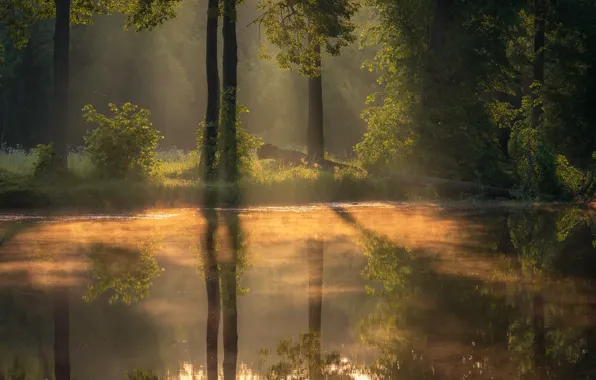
{"points": [[569, 177], [141, 374], [539, 169], [388, 142], [123, 144], [298, 358], [145, 14], [443, 110], [19, 15], [299, 28], [429, 116], [128, 274], [534, 161], [247, 143], [46, 160]]}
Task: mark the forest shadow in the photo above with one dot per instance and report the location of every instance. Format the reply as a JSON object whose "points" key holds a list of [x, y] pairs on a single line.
{"points": [[38, 321], [428, 320]]}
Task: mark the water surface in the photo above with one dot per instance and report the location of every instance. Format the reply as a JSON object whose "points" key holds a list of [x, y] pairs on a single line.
{"points": [[395, 291]]}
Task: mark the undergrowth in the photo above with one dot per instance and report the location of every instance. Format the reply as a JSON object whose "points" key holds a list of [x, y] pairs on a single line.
{"points": [[177, 184]]}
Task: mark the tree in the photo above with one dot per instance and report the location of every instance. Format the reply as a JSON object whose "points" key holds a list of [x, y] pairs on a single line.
{"points": [[229, 93], [211, 128], [141, 14], [299, 29]]}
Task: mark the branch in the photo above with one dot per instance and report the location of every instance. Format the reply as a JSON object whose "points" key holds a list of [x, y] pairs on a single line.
{"points": [[258, 19]]}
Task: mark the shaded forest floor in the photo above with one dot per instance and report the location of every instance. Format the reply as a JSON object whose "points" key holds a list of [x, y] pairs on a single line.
{"points": [[177, 185]]}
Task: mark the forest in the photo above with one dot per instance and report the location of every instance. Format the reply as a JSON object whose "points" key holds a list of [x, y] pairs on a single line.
{"points": [[155, 102]]}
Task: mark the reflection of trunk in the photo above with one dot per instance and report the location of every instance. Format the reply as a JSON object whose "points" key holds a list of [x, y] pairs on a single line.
{"points": [[505, 244], [230, 84], [230, 308], [212, 114], [61, 78], [539, 334], [213, 301], [315, 253], [62, 335], [315, 144]]}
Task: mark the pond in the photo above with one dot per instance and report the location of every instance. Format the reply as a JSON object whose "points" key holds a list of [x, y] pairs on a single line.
{"points": [[334, 291]]}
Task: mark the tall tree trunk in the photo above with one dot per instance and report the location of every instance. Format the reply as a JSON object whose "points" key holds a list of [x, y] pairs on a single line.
{"points": [[441, 19], [230, 88], [230, 305], [315, 252], [61, 79], [432, 81], [212, 113], [62, 334], [5, 113], [315, 139], [211, 270]]}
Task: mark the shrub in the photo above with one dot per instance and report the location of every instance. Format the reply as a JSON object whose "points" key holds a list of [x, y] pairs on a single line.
{"points": [[46, 160], [124, 144], [247, 143]]}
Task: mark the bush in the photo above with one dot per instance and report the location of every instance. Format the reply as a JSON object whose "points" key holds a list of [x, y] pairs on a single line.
{"points": [[552, 175], [247, 143], [46, 160], [124, 144]]}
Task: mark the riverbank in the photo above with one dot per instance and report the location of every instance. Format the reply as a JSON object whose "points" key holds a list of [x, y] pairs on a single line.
{"points": [[20, 193], [177, 185]]}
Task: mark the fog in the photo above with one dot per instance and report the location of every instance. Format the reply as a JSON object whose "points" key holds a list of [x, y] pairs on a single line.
{"points": [[164, 70]]}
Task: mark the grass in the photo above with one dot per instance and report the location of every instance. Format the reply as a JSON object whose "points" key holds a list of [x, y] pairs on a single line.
{"points": [[177, 185]]}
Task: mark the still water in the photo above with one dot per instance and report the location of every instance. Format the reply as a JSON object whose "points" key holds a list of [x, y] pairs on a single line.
{"points": [[394, 291]]}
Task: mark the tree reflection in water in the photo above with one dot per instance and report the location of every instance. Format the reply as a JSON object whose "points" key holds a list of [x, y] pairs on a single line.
{"points": [[531, 318], [426, 318]]}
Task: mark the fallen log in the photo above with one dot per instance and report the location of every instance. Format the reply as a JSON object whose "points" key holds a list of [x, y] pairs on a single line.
{"points": [[292, 157]]}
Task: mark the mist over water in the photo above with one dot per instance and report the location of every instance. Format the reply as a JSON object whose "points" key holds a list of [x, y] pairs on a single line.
{"points": [[405, 291]]}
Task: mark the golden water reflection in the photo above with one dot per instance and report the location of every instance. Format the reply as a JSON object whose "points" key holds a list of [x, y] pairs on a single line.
{"points": [[189, 372], [404, 291]]}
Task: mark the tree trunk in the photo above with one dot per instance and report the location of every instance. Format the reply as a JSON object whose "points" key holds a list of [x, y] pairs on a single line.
{"points": [[210, 268], [230, 85], [442, 16], [433, 80], [230, 307], [315, 252], [5, 112], [62, 334], [315, 141], [61, 79], [212, 113]]}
